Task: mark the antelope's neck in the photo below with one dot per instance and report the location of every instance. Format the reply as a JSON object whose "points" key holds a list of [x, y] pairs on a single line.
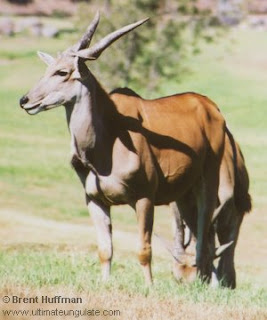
{"points": [[89, 123]]}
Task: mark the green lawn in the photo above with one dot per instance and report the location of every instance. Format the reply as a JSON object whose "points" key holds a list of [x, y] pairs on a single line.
{"points": [[37, 181], [81, 273]]}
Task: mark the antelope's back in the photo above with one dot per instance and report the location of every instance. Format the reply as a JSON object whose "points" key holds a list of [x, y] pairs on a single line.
{"points": [[189, 118]]}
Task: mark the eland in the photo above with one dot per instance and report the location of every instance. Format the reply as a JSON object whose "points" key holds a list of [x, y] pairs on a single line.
{"points": [[128, 150]]}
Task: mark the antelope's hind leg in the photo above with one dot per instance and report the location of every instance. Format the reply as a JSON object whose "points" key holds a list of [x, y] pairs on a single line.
{"points": [[207, 193], [183, 267], [102, 222]]}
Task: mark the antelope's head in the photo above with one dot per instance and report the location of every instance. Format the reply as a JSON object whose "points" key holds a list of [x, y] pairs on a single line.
{"points": [[62, 81], [184, 267]]}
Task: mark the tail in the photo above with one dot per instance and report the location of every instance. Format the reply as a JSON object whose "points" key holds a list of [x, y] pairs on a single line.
{"points": [[242, 197]]}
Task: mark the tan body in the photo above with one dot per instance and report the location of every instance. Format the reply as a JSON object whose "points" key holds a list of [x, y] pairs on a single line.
{"points": [[169, 136], [128, 150]]}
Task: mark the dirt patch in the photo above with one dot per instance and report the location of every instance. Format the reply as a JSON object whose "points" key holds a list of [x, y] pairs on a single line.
{"points": [[121, 305], [4, 62], [17, 228]]}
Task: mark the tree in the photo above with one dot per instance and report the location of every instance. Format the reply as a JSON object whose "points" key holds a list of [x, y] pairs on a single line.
{"points": [[155, 52]]}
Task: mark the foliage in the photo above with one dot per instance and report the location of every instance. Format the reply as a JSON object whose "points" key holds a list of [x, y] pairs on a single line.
{"points": [[156, 51]]}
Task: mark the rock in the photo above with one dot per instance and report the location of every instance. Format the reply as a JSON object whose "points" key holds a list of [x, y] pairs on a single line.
{"points": [[26, 24], [32, 25], [36, 28], [258, 22], [6, 27], [49, 31], [230, 13]]}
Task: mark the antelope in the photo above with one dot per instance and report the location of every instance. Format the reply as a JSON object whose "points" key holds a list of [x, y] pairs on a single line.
{"points": [[234, 202], [128, 150]]}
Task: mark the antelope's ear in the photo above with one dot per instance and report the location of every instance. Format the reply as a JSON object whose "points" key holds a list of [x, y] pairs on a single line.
{"points": [[219, 251], [77, 74], [45, 57]]}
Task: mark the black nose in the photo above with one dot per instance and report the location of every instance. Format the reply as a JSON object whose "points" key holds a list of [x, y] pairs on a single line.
{"points": [[23, 101]]}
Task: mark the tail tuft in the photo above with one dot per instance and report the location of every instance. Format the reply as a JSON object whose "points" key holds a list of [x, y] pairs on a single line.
{"points": [[243, 202]]}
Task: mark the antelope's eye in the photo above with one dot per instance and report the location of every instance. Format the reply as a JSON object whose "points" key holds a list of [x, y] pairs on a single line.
{"points": [[61, 73]]}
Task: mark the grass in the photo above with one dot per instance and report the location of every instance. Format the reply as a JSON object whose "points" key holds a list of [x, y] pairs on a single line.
{"points": [[55, 270], [47, 243], [79, 272]]}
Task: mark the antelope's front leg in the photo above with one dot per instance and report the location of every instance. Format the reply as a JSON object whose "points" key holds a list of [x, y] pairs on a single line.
{"points": [[145, 217], [102, 222]]}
